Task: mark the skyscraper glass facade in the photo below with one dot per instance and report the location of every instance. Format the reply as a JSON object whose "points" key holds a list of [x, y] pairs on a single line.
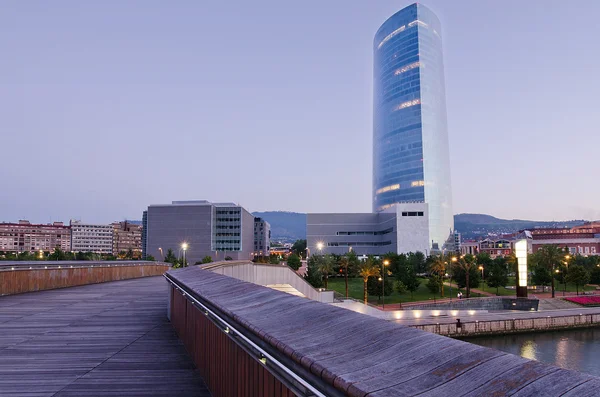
{"points": [[410, 134]]}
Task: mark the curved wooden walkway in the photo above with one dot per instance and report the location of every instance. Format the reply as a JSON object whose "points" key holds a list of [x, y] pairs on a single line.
{"points": [[110, 339]]}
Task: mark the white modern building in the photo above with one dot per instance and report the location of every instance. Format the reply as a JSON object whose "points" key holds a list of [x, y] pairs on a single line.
{"points": [[402, 228], [91, 238]]}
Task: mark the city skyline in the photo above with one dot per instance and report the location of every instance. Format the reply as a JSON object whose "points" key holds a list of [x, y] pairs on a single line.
{"points": [[135, 103]]}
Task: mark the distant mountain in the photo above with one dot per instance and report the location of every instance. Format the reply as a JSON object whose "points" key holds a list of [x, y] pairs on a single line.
{"points": [[291, 226], [285, 226], [481, 225]]}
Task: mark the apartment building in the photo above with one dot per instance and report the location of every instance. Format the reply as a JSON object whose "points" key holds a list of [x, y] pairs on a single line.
{"points": [[91, 238], [127, 236], [29, 237]]}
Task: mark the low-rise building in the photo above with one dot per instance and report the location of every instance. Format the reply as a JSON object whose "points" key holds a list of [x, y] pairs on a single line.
{"points": [[127, 236], [200, 228], [582, 240], [28, 237], [91, 238], [401, 228]]}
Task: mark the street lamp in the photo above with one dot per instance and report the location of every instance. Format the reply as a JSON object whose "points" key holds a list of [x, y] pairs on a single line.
{"points": [[320, 246], [567, 257], [482, 277], [184, 247], [161, 253], [383, 265]]}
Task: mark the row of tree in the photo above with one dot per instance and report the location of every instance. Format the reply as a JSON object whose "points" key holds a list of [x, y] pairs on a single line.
{"points": [[60, 255], [402, 272]]}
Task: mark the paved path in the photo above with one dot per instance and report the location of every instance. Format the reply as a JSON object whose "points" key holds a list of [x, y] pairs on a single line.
{"points": [[554, 304], [110, 339]]}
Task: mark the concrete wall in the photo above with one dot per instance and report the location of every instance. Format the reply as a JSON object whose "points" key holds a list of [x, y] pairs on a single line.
{"points": [[266, 274], [413, 231]]}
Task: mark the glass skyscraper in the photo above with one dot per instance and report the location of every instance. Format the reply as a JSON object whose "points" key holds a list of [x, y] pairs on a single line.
{"points": [[410, 134]]}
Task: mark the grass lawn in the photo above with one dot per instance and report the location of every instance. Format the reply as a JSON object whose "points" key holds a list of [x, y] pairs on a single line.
{"points": [[355, 290]]}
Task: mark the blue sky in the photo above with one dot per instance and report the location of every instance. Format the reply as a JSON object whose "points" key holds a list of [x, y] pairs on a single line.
{"points": [[107, 107]]}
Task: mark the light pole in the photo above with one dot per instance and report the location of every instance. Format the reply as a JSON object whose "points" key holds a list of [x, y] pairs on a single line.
{"points": [[320, 246], [482, 277], [567, 257], [383, 265], [161, 253], [184, 247]]}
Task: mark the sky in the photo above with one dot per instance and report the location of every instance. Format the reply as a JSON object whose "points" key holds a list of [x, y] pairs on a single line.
{"points": [[109, 106]]}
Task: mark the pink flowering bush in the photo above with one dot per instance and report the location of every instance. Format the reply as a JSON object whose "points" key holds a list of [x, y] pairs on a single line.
{"points": [[585, 300]]}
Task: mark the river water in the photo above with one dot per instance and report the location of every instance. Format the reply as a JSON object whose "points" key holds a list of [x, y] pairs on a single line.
{"points": [[573, 349]]}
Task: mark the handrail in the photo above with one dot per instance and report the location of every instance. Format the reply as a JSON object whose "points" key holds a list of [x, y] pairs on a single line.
{"points": [[52, 265], [288, 377]]}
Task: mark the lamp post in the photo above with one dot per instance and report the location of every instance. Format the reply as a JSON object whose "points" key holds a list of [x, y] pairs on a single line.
{"points": [[320, 246], [184, 247], [567, 257], [383, 265], [482, 277], [453, 260]]}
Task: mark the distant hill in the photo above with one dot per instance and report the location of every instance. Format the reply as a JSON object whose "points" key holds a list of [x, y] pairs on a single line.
{"points": [[481, 225], [291, 226], [285, 226]]}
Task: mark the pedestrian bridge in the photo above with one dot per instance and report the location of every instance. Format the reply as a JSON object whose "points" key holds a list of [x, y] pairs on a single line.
{"points": [[227, 337]]}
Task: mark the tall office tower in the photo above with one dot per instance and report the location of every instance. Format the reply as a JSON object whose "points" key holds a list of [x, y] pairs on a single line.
{"points": [[410, 135]]}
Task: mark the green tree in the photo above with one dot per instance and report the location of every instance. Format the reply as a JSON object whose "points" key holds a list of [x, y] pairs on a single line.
{"points": [[437, 267], [595, 275], [299, 248], [417, 261], [129, 254], [150, 258], [466, 273], [170, 257], [550, 256], [497, 275], [228, 258], [57, 255], [375, 286], [541, 275], [207, 259], [274, 260], [345, 262], [294, 261], [434, 284], [325, 267], [368, 268], [578, 275], [312, 276], [408, 276]]}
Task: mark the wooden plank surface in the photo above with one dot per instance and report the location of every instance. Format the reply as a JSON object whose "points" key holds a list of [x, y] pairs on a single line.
{"points": [[110, 339], [366, 356]]}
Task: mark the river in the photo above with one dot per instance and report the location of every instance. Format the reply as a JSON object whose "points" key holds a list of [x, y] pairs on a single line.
{"points": [[573, 349]]}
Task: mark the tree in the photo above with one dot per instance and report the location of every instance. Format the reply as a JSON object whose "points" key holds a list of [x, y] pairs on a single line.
{"points": [[325, 267], [595, 275], [417, 261], [207, 259], [129, 254], [466, 273], [170, 257], [541, 275], [368, 268], [497, 275], [434, 284], [437, 268], [274, 259], [408, 277], [578, 275], [347, 264], [228, 258], [299, 248], [150, 258], [294, 261], [549, 256], [57, 255], [312, 276], [375, 286]]}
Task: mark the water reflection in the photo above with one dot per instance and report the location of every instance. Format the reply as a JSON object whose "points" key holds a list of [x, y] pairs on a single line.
{"points": [[576, 349]]}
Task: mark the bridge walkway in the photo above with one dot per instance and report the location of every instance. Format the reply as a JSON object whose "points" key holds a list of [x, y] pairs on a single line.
{"points": [[109, 339]]}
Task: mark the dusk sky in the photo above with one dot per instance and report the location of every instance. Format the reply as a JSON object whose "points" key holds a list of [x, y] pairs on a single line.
{"points": [[109, 106]]}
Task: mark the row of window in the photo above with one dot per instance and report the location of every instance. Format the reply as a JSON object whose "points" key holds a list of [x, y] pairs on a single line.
{"points": [[377, 233], [407, 104], [228, 219], [413, 213], [400, 30], [360, 244]]}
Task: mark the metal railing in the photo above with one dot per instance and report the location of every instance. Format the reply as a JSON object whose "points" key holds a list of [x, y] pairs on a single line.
{"points": [[52, 265], [293, 381]]}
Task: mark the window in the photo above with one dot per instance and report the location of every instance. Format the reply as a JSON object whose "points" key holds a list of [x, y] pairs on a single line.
{"points": [[407, 68], [387, 189], [417, 183], [407, 104], [413, 213]]}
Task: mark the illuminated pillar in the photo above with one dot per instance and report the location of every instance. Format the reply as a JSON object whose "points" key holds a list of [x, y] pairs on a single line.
{"points": [[521, 253]]}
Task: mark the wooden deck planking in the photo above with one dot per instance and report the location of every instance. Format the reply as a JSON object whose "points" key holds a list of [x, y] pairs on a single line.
{"points": [[110, 339]]}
